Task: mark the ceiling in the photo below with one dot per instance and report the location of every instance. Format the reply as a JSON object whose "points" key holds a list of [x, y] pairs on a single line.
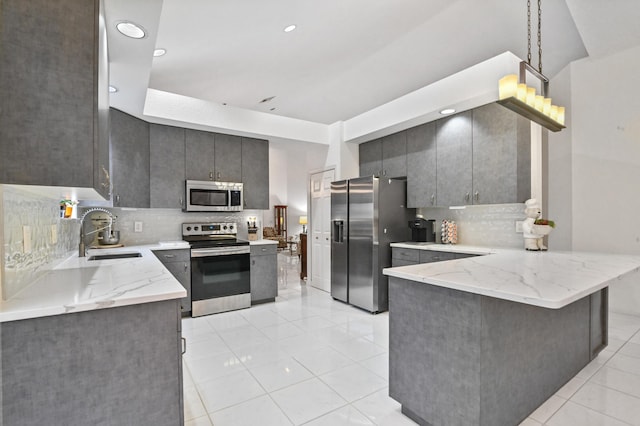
{"points": [[345, 57]]}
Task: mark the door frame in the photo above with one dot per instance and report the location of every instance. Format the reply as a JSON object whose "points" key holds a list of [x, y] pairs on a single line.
{"points": [[310, 217]]}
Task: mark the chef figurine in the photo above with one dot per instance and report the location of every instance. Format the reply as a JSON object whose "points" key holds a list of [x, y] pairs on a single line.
{"points": [[532, 240]]}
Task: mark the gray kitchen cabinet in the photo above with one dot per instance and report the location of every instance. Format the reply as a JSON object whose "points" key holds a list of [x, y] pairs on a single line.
{"points": [[501, 156], [394, 155], [54, 85], [428, 256], [228, 158], [264, 273], [403, 256], [167, 166], [116, 366], [255, 173], [130, 156], [454, 160], [199, 154], [371, 158], [178, 262], [421, 166]]}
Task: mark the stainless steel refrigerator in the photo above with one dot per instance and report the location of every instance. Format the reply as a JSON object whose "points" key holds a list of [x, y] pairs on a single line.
{"points": [[367, 214]]}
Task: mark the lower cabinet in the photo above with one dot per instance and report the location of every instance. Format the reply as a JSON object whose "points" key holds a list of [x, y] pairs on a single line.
{"points": [[116, 366], [178, 262], [264, 273], [404, 256]]}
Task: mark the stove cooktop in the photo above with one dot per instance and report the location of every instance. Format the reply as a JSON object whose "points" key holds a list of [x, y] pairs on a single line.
{"points": [[211, 234]]}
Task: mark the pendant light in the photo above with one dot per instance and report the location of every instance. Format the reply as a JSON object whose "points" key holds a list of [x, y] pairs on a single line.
{"points": [[522, 99]]}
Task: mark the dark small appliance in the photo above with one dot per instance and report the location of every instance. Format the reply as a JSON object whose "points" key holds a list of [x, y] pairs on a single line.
{"points": [[422, 230]]}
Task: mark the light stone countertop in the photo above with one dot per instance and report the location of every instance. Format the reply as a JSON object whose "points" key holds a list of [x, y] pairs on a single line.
{"points": [[78, 284], [262, 242], [547, 279]]}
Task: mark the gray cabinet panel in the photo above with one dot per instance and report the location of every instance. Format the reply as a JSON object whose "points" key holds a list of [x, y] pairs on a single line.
{"points": [[264, 274], [403, 254], [496, 165], [200, 154], [454, 160], [167, 159], [394, 155], [53, 89], [115, 366], [228, 158], [130, 155], [371, 158], [178, 262], [427, 256], [255, 173], [421, 166]]}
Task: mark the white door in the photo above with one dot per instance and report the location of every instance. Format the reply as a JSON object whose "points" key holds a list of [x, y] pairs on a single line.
{"points": [[320, 226]]}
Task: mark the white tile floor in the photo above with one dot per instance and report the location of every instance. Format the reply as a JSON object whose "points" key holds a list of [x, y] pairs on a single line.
{"points": [[307, 359]]}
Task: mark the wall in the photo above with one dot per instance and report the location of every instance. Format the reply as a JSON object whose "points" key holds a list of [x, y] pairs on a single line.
{"points": [[484, 225], [605, 163], [21, 208]]}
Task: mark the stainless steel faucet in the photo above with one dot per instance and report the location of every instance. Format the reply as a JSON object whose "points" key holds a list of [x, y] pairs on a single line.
{"points": [[81, 248]]}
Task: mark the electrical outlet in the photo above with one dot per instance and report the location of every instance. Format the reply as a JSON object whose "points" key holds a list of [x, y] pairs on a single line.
{"points": [[137, 227], [519, 226], [54, 234], [26, 239]]}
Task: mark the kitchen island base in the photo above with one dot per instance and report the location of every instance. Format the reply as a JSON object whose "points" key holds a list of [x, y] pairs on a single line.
{"points": [[458, 358]]}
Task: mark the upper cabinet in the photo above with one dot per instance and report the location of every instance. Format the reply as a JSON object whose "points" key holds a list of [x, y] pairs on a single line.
{"points": [[371, 158], [385, 157], [421, 166], [130, 155], [255, 173], [167, 166], [454, 159], [213, 156], [54, 94], [501, 156]]}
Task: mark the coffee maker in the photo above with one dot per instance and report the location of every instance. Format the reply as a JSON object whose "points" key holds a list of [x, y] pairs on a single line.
{"points": [[422, 230]]}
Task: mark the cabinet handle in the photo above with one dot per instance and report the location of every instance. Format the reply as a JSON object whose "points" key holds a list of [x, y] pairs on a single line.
{"points": [[184, 345], [180, 201], [118, 199], [218, 175], [210, 175], [186, 267], [264, 249], [169, 256], [253, 262], [476, 195], [466, 197], [433, 199]]}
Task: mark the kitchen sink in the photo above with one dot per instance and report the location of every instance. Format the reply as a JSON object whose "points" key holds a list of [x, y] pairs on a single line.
{"points": [[115, 256]]}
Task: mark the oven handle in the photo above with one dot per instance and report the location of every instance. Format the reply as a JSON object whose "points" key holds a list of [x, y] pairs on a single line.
{"points": [[219, 251]]}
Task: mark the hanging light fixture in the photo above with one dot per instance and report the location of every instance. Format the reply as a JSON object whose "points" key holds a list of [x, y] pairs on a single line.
{"points": [[522, 99]]}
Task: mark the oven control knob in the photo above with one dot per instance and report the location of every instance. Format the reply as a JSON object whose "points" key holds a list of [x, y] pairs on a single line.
{"points": [[224, 227], [188, 228], [195, 228], [230, 226]]}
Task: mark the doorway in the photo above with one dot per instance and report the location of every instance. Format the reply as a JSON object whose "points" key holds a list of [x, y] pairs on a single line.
{"points": [[320, 229]]}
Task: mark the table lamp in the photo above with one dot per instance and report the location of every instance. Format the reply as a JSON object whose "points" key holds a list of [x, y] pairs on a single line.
{"points": [[303, 221]]}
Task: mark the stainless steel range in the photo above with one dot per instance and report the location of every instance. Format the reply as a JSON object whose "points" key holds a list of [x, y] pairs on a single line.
{"points": [[220, 268]]}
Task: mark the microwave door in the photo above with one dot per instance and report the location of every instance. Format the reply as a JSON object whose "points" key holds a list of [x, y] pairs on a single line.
{"points": [[209, 197]]}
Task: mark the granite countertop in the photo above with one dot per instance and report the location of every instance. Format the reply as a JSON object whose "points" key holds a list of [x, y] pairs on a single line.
{"points": [[78, 284], [548, 279]]}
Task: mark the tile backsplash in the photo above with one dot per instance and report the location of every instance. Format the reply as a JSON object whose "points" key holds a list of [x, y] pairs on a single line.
{"points": [[20, 209], [491, 225]]}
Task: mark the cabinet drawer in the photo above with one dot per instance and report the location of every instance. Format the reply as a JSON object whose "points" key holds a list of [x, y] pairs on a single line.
{"points": [[410, 255], [402, 262], [264, 249], [435, 256], [175, 255]]}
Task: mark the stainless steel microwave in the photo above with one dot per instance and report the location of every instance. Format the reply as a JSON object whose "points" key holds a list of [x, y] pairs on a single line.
{"points": [[209, 196]]}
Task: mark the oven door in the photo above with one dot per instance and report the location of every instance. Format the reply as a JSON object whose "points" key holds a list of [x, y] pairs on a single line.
{"points": [[220, 279]]}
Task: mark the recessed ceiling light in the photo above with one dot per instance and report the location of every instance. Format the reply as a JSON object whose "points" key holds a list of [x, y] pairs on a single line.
{"points": [[265, 100], [289, 28], [159, 52], [447, 111], [112, 89], [130, 29]]}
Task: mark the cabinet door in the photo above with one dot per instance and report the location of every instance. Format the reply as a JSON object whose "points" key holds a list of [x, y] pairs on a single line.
{"points": [[130, 155], [454, 160], [427, 256], [228, 158], [167, 159], [394, 155], [182, 272], [49, 85], [200, 150], [255, 173], [404, 256], [264, 278], [421, 166], [371, 158], [501, 155]]}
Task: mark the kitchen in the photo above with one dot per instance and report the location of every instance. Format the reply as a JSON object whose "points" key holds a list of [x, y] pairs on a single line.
{"points": [[592, 156]]}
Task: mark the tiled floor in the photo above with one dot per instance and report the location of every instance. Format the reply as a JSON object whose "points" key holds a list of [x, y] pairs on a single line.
{"points": [[307, 359]]}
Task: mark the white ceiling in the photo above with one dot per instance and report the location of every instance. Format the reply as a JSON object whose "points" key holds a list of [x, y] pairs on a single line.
{"points": [[346, 57]]}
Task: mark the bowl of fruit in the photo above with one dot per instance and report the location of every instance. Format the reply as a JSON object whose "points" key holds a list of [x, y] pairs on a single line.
{"points": [[543, 226]]}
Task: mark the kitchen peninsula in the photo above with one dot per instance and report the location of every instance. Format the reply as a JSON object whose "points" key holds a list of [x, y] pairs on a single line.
{"points": [[485, 340], [94, 342]]}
